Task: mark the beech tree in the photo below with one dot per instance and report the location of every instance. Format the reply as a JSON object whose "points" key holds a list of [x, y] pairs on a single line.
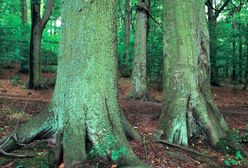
{"points": [[139, 76], [38, 25], [188, 105], [213, 14], [127, 22], [84, 107], [24, 32]]}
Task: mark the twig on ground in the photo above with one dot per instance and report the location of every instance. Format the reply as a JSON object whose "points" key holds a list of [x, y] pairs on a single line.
{"points": [[182, 147], [144, 142]]}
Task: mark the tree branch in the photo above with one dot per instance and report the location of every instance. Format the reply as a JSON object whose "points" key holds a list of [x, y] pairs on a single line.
{"points": [[45, 18], [217, 11], [221, 8]]}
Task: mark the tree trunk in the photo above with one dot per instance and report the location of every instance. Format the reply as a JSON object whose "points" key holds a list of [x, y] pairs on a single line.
{"points": [[127, 30], [85, 103], [24, 61], [139, 75], [240, 62], [212, 23], [188, 106], [38, 25], [213, 14], [125, 68], [24, 11]]}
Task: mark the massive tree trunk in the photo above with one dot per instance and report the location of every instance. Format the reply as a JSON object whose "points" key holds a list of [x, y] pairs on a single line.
{"points": [[84, 107], [188, 104], [38, 25], [139, 76]]}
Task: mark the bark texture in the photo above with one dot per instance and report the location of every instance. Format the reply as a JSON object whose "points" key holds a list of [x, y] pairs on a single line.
{"points": [[139, 77], [188, 106]]}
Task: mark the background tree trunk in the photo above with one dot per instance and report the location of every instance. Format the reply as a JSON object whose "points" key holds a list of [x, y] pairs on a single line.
{"points": [[139, 74], [24, 32], [188, 106], [38, 25], [213, 14], [125, 65], [128, 13]]}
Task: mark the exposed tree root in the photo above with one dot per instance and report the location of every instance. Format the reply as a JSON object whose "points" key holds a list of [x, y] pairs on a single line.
{"points": [[129, 130], [41, 126], [141, 96], [187, 149], [197, 155], [14, 155]]}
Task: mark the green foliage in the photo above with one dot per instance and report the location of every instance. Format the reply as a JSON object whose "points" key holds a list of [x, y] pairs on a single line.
{"points": [[231, 144], [15, 80], [233, 160], [15, 36], [231, 43]]}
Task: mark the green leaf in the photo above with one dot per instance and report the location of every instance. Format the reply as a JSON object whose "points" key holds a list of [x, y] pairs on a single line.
{"points": [[227, 163], [239, 156], [19, 166], [234, 162]]}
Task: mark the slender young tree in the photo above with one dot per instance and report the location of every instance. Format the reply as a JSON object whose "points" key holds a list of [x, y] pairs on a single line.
{"points": [[124, 66], [127, 30], [188, 105], [24, 33], [139, 75], [38, 25], [213, 14], [84, 108]]}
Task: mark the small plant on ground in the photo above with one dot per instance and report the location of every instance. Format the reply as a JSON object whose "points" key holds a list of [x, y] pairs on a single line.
{"points": [[15, 80], [231, 161]]}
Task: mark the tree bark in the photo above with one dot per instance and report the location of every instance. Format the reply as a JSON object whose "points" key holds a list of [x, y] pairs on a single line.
{"points": [[188, 106], [38, 25], [139, 75]]}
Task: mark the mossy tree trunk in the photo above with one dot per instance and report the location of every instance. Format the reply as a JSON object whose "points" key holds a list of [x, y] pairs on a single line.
{"points": [[139, 75], [188, 104], [38, 25], [84, 108]]}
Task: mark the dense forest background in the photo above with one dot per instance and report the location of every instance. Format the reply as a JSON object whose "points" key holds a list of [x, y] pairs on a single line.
{"points": [[229, 37]]}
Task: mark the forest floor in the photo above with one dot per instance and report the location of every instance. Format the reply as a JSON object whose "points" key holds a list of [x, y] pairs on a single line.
{"points": [[19, 103]]}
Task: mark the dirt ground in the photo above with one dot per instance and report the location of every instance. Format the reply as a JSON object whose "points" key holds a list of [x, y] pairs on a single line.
{"points": [[19, 103]]}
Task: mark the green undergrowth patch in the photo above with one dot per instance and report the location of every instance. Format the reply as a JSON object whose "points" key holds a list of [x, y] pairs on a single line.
{"points": [[10, 117], [231, 146], [15, 80]]}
